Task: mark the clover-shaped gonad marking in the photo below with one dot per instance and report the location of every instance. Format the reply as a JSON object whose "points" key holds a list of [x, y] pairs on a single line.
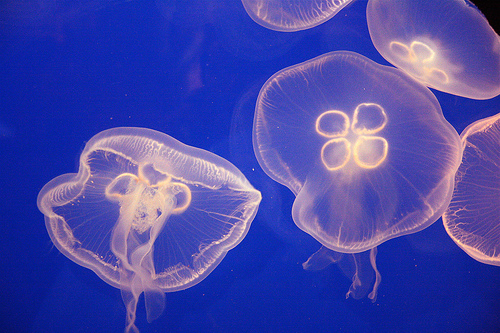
{"points": [[367, 151], [146, 202], [422, 57]]}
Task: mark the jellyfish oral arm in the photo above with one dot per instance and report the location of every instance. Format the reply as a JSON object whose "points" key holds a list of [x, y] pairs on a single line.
{"points": [[144, 210], [138, 269], [362, 267]]}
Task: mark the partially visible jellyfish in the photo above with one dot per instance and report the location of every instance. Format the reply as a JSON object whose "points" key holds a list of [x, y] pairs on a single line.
{"points": [[292, 15], [473, 217], [448, 45], [246, 40], [364, 147], [148, 214]]}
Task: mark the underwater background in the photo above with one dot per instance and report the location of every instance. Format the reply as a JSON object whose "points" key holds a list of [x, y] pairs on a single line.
{"points": [[193, 70]]}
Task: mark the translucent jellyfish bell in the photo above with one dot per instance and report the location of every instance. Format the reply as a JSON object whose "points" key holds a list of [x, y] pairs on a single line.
{"points": [[148, 214], [448, 44], [292, 15], [365, 149], [473, 217]]}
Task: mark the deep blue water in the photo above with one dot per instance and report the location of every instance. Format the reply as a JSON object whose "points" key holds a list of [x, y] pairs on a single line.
{"points": [[193, 69]]}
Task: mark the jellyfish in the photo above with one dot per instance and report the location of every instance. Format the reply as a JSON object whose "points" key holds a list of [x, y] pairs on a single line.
{"points": [[473, 218], [365, 149], [448, 45], [148, 214], [292, 15]]}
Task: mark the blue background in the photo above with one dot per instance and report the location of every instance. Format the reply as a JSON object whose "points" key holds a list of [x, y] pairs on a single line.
{"points": [[193, 69]]}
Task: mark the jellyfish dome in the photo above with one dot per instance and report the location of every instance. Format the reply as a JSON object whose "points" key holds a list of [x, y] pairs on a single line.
{"points": [[448, 44], [473, 218], [148, 214], [292, 15], [364, 147]]}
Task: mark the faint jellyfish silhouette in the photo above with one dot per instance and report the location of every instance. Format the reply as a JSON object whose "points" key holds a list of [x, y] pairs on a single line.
{"points": [[292, 15], [473, 218], [148, 214], [448, 45], [246, 40], [365, 149], [272, 211]]}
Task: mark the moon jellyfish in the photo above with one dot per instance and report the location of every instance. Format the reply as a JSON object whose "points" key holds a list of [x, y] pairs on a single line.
{"points": [[473, 218], [448, 45], [148, 214], [364, 148], [292, 15]]}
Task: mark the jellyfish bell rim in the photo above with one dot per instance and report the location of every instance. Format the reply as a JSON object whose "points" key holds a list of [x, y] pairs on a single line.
{"points": [[303, 26], [172, 142], [352, 250], [476, 126]]}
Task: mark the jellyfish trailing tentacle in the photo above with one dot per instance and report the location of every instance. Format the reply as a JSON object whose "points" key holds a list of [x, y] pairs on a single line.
{"points": [[360, 267], [366, 275]]}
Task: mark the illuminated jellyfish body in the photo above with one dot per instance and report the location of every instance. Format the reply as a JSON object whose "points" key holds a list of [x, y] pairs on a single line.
{"points": [[365, 149], [448, 45], [473, 217], [148, 214], [292, 15]]}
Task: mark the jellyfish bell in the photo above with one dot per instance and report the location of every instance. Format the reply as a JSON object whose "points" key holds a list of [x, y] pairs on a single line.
{"points": [[365, 149], [148, 214], [292, 15], [473, 216], [448, 45]]}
